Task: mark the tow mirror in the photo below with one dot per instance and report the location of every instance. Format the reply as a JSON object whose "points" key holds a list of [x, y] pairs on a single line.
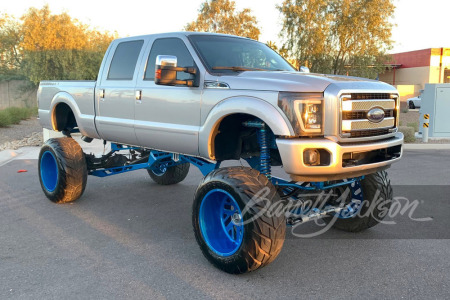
{"points": [[304, 69], [166, 71]]}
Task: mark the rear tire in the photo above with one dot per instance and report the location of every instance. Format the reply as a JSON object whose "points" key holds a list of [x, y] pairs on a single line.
{"points": [[171, 175], [223, 199], [411, 105], [62, 170], [377, 194]]}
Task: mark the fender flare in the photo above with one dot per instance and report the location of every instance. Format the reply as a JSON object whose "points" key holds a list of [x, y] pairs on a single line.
{"points": [[66, 98], [256, 107]]}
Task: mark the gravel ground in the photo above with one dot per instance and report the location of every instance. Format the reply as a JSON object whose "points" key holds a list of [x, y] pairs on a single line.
{"points": [[27, 133], [409, 117]]}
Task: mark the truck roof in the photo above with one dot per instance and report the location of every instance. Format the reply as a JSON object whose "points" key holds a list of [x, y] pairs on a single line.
{"points": [[177, 34]]}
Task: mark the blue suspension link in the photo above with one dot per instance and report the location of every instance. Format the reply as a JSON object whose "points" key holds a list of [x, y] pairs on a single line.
{"points": [[155, 160], [265, 161]]}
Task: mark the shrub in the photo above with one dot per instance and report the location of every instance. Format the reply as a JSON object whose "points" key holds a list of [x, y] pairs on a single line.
{"points": [[409, 133], [5, 119], [13, 115], [33, 111], [414, 125]]}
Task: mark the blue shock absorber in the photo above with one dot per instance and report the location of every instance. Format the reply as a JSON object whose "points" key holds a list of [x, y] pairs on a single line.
{"points": [[265, 167], [265, 161]]}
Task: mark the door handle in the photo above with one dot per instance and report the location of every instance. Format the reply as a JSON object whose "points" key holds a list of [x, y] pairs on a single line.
{"points": [[102, 94], [138, 95]]}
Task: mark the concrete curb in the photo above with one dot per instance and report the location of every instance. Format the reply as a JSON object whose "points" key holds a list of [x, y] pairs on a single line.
{"points": [[426, 146], [8, 155], [22, 153]]}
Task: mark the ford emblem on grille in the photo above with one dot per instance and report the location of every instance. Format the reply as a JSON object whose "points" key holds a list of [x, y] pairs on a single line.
{"points": [[375, 115]]}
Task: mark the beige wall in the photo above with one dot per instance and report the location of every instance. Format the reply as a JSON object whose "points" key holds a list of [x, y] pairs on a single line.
{"points": [[410, 81], [409, 76], [12, 94], [435, 72], [407, 91]]}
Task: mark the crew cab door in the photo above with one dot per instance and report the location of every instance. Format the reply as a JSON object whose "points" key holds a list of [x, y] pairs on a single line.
{"points": [[115, 93], [167, 117]]}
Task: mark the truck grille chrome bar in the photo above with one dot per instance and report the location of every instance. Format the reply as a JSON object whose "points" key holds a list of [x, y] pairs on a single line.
{"points": [[356, 120]]}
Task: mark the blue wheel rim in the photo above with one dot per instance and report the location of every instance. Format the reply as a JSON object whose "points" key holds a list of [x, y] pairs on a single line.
{"points": [[159, 170], [352, 208], [220, 221], [49, 171]]}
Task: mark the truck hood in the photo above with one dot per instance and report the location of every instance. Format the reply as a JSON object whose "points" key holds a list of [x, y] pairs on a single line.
{"points": [[285, 81]]}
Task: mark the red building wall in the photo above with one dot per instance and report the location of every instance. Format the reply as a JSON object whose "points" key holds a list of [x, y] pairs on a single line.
{"points": [[414, 59]]}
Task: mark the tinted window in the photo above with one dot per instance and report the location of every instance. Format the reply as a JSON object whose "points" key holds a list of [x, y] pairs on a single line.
{"points": [[124, 60], [222, 53], [170, 46]]}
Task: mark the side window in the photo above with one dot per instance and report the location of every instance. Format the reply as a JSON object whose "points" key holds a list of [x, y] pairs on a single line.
{"points": [[169, 46], [124, 60]]}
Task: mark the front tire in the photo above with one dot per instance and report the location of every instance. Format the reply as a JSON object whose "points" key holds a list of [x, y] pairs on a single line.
{"points": [[411, 105], [236, 232], [62, 170], [377, 199]]}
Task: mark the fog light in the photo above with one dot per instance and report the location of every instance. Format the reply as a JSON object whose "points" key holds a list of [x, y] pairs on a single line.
{"points": [[311, 157]]}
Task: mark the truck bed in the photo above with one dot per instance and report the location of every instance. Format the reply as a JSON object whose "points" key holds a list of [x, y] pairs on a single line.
{"points": [[80, 96]]}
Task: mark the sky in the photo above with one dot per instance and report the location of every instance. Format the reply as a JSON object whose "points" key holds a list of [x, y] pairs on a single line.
{"points": [[420, 24]]}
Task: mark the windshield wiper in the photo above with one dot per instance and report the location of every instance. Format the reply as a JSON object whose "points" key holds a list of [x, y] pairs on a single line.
{"points": [[238, 69]]}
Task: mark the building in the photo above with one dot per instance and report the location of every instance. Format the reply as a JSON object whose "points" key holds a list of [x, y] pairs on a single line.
{"points": [[410, 71]]}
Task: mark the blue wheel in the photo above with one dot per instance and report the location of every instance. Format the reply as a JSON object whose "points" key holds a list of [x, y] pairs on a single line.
{"points": [[159, 170], [62, 170], [221, 222], [368, 203], [164, 175], [236, 231], [355, 201], [48, 169]]}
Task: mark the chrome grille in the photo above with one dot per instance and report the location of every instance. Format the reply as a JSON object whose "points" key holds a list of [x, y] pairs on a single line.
{"points": [[366, 96], [354, 120], [366, 133], [355, 125], [365, 105], [358, 115]]}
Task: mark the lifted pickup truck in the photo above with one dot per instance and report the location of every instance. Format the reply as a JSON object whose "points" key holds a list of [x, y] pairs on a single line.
{"points": [[166, 101]]}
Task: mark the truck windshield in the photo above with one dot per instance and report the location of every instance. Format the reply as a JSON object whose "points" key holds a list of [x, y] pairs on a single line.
{"points": [[223, 54]]}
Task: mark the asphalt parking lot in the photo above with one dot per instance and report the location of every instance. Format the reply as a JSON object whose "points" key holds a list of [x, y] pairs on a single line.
{"points": [[130, 238]]}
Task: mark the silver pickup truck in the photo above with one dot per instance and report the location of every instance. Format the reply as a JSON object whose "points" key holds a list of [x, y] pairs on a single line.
{"points": [[166, 101]]}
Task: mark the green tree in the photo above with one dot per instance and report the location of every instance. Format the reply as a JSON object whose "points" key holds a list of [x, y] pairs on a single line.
{"points": [[306, 27], [10, 51], [220, 16], [282, 51], [58, 47], [338, 36], [272, 45]]}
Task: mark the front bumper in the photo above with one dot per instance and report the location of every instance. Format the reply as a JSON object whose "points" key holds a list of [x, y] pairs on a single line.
{"points": [[372, 157]]}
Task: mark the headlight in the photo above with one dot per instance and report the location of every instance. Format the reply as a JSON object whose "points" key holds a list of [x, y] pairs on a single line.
{"points": [[304, 111]]}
